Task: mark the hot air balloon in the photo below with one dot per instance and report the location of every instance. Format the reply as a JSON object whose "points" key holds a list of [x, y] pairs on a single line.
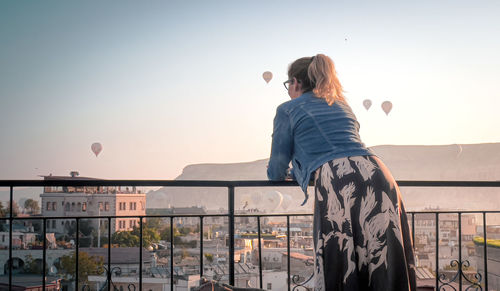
{"points": [[387, 106], [256, 198], [273, 200], [367, 103], [459, 150], [267, 76], [287, 200], [96, 148]]}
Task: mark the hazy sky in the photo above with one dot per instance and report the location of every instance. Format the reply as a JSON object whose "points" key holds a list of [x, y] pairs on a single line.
{"points": [[163, 84]]}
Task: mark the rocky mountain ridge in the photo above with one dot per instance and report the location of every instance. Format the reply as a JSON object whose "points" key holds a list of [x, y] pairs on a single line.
{"points": [[406, 162]]}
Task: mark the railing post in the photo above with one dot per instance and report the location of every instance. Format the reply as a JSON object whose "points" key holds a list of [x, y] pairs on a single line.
{"points": [[460, 250], [437, 251], [44, 252], [201, 246], [288, 250], [260, 251], [231, 234], [10, 236], [109, 253], [172, 253], [485, 253], [140, 253], [77, 251]]}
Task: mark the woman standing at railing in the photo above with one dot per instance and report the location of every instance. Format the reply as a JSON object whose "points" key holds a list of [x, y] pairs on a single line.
{"points": [[361, 235]]}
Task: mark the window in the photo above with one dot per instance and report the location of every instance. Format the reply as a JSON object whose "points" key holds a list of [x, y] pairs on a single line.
{"points": [[135, 205], [269, 286], [84, 206], [106, 206], [72, 206], [53, 224], [67, 207], [54, 206], [49, 206], [79, 207], [130, 223], [48, 223], [131, 206], [100, 206]]}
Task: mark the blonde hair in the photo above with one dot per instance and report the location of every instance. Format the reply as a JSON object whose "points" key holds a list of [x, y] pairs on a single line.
{"points": [[318, 74]]}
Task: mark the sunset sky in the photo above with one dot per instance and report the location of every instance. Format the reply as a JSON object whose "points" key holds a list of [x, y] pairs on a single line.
{"points": [[164, 84]]}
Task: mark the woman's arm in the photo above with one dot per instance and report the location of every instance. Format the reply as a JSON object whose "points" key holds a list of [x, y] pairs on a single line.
{"points": [[282, 146]]}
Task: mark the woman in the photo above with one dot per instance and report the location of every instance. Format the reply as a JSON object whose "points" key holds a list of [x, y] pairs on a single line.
{"points": [[361, 235]]}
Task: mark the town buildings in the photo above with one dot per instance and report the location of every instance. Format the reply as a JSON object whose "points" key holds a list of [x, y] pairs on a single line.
{"points": [[91, 201]]}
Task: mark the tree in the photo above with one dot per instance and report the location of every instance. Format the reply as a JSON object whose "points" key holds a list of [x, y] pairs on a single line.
{"points": [[209, 257], [153, 222], [32, 206], [15, 209], [87, 265], [85, 228], [5, 212], [33, 266], [132, 238], [165, 234], [125, 239], [149, 235]]}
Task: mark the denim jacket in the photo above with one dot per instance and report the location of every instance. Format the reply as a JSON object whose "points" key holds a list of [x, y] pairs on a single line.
{"points": [[309, 132]]}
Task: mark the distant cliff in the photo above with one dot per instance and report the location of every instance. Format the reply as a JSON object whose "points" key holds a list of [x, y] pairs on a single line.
{"points": [[409, 162]]}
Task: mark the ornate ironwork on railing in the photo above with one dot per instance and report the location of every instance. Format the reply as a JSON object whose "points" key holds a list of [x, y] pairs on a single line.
{"points": [[474, 284], [294, 281]]}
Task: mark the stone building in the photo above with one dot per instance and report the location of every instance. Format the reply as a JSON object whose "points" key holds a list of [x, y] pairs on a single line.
{"points": [[91, 201]]}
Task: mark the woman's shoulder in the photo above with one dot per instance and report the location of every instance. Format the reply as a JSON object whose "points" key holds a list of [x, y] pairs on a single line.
{"points": [[288, 105]]}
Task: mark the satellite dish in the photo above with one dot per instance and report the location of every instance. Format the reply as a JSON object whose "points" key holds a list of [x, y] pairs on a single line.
{"points": [[96, 148], [367, 103], [267, 76], [387, 107]]}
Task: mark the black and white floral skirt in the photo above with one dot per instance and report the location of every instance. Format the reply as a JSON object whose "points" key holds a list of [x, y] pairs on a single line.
{"points": [[362, 239]]}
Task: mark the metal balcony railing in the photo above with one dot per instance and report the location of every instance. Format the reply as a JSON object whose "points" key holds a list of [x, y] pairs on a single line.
{"points": [[440, 281]]}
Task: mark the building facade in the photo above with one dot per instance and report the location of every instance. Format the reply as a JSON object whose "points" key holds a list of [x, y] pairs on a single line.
{"points": [[91, 201]]}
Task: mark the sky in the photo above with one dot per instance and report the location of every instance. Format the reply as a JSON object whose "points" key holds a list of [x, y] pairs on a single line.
{"points": [[164, 84]]}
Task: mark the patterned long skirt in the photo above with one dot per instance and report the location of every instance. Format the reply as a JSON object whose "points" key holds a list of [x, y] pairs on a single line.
{"points": [[362, 239]]}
